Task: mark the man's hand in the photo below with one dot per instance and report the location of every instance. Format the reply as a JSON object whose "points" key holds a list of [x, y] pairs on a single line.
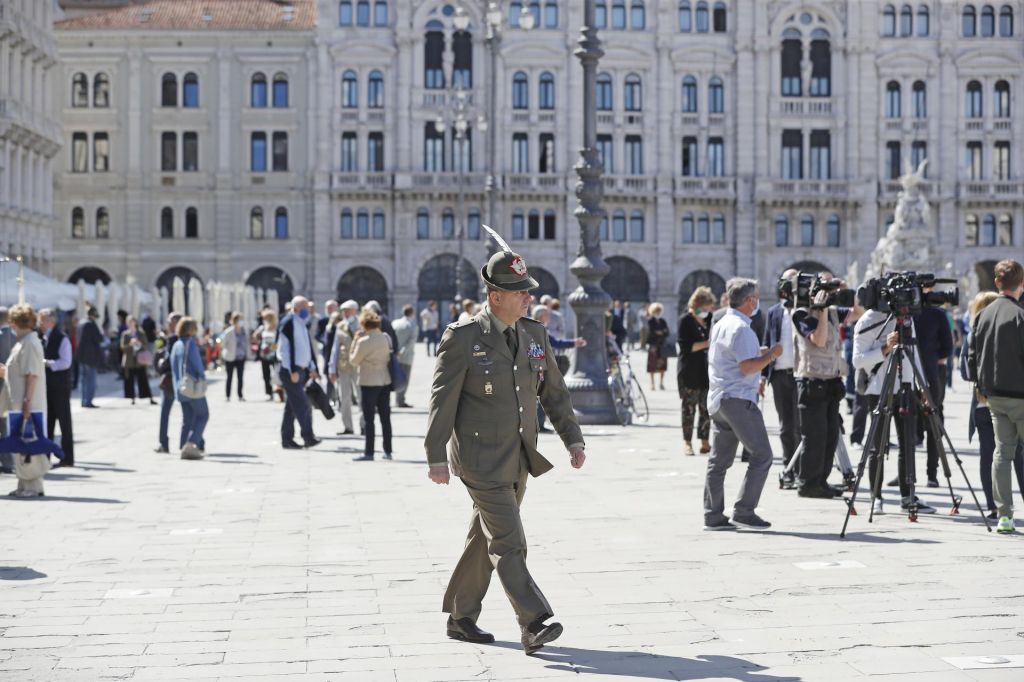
{"points": [[333, 376], [820, 299], [295, 377], [439, 474], [314, 375], [890, 342], [581, 342], [776, 351], [577, 457], [760, 387]]}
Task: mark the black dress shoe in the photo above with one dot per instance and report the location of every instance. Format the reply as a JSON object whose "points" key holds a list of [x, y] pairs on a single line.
{"points": [[291, 445], [817, 492], [465, 630], [161, 450], [311, 443], [346, 432], [404, 405], [363, 458], [537, 634], [387, 455]]}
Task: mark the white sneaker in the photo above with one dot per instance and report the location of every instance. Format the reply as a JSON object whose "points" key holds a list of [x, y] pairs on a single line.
{"points": [[877, 506]]}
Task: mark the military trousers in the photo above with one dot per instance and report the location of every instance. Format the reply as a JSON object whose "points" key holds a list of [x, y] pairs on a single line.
{"points": [[496, 542]]}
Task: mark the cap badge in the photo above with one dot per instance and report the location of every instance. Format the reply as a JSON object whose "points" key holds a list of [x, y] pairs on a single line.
{"points": [[518, 266]]}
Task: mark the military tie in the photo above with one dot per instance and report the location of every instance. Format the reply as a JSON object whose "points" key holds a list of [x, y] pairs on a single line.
{"points": [[510, 338]]}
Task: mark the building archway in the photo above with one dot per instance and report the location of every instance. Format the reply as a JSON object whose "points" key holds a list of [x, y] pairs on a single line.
{"points": [[436, 282], [166, 278], [362, 284], [627, 280], [89, 275], [700, 278], [548, 283], [270, 277]]}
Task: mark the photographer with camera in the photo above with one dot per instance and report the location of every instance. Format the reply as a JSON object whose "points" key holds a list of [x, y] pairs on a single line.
{"points": [[819, 368], [778, 329]]}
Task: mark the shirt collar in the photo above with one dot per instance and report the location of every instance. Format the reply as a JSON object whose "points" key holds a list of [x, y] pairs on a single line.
{"points": [[495, 322], [733, 311]]}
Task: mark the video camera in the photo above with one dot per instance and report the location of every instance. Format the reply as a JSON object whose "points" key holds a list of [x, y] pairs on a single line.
{"points": [[801, 291], [903, 293]]}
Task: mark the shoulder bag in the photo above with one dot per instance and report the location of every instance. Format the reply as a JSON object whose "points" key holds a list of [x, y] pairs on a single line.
{"points": [[191, 387]]}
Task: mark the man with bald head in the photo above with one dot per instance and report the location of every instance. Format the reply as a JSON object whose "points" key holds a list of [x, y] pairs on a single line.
{"points": [[778, 328], [297, 364], [57, 353]]}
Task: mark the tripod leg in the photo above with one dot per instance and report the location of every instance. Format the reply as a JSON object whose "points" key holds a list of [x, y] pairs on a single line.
{"points": [[908, 429]]}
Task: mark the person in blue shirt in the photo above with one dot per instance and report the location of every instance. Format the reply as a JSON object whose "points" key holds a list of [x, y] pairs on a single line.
{"points": [[195, 413], [297, 365]]}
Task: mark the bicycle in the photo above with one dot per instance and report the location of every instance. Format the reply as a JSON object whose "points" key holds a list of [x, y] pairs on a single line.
{"points": [[627, 394]]}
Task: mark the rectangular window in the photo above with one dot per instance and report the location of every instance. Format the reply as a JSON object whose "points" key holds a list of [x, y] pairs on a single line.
{"points": [[100, 152], [462, 151], [346, 224], [792, 56], [280, 151], [169, 152], [716, 157], [918, 153], [792, 154], [258, 152], [349, 153], [821, 69], [718, 229], [605, 151], [190, 152], [636, 227], [422, 225], [447, 225], [549, 225], [533, 225], [893, 159], [1001, 167], [690, 157], [433, 150], [821, 155], [362, 225], [973, 161], [473, 225], [520, 153], [378, 225], [518, 227], [635, 154], [547, 153], [375, 152], [79, 153]]}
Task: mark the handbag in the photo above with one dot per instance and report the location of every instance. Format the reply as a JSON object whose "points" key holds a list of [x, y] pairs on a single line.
{"points": [[398, 378], [191, 387], [144, 358], [317, 396]]}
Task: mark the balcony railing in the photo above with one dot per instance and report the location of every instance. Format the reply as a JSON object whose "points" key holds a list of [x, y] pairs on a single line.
{"points": [[804, 106], [705, 187], [438, 99], [549, 182], [449, 180], [995, 189], [628, 183], [689, 119], [370, 180]]}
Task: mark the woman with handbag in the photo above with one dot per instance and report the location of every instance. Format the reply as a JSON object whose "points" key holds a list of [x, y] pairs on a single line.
{"points": [[265, 340], [189, 377], [371, 355], [135, 360], [657, 338], [234, 351], [692, 336], [24, 392]]}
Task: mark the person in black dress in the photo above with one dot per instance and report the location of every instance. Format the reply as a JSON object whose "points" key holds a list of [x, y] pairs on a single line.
{"points": [[657, 338], [693, 334]]}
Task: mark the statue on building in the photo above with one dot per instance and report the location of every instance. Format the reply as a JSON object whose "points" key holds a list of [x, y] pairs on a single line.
{"points": [[909, 241]]}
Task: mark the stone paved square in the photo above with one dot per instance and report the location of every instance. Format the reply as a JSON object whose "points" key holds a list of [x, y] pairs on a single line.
{"points": [[264, 564]]}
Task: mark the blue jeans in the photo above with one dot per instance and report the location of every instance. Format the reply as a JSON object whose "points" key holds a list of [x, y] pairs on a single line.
{"points": [[194, 415], [166, 403], [296, 407], [88, 384]]}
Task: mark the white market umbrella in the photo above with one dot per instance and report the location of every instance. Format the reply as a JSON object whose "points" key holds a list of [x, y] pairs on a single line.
{"points": [[274, 300], [101, 303], [178, 296], [115, 300], [250, 305], [212, 304], [156, 306], [81, 310], [134, 301], [165, 303], [196, 307]]}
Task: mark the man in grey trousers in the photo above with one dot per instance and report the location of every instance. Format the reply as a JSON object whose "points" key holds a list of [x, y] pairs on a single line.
{"points": [[735, 361]]}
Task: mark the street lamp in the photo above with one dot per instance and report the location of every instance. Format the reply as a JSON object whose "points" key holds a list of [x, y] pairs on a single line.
{"points": [[588, 374]]}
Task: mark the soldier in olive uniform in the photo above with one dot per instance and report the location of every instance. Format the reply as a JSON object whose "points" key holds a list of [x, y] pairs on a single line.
{"points": [[491, 369]]}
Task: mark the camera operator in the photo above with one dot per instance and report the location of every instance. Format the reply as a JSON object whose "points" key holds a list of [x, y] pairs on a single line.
{"points": [[819, 368], [875, 337], [778, 329], [934, 345]]}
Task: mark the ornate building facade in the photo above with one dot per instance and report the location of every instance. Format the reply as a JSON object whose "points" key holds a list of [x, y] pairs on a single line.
{"points": [[29, 131], [738, 136]]}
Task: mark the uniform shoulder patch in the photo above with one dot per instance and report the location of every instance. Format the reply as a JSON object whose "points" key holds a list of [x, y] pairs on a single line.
{"points": [[533, 324], [461, 323]]}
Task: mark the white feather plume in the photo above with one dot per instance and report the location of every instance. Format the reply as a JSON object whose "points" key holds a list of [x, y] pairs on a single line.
{"points": [[501, 242]]}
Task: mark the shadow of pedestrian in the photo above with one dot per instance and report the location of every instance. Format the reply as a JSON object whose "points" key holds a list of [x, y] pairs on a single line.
{"points": [[89, 500], [876, 537], [19, 573], [228, 454], [648, 666]]}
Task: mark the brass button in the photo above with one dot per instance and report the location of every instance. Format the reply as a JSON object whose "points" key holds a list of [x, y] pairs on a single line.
{"points": [[517, 388], [476, 433], [520, 409], [520, 429], [515, 367]]}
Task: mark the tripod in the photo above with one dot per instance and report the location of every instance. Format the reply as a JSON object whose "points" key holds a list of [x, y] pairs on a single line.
{"points": [[843, 464], [897, 394]]}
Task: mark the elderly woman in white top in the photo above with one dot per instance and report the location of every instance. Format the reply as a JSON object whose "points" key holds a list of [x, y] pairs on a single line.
{"points": [[25, 392], [371, 355]]}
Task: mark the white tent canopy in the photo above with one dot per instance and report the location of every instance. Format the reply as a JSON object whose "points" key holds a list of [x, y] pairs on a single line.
{"points": [[40, 291]]}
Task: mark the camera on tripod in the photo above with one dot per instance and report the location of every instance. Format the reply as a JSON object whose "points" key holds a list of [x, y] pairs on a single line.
{"points": [[801, 291], [904, 293]]}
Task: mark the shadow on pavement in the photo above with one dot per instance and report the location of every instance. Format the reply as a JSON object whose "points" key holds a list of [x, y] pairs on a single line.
{"points": [[19, 573], [228, 454], [89, 500], [648, 666], [861, 536]]}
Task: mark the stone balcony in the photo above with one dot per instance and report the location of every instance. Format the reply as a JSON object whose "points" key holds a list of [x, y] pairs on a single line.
{"points": [[704, 188], [807, 192], [627, 184], [804, 106], [535, 182], [361, 181], [996, 190]]}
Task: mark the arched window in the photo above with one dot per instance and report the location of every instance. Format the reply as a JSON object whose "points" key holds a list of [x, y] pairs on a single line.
{"points": [[191, 223], [923, 21], [792, 57], [167, 223], [892, 100], [433, 56], [718, 228], [619, 14], [636, 226], [971, 230], [281, 91], [689, 95], [169, 90], [375, 90], [546, 91], [258, 152], [535, 11], [988, 21], [685, 16], [447, 224], [77, 223], [347, 231], [1006, 21], [807, 231], [345, 13], [988, 231], [518, 225], [619, 226], [687, 236], [423, 224], [462, 63], [703, 229], [969, 21], [973, 108], [433, 149], [832, 228], [781, 231], [101, 91], [258, 91], [349, 90], [378, 224], [79, 91], [1005, 236], [380, 13], [920, 100], [551, 14], [633, 94], [190, 91], [256, 223], [605, 99], [718, 18], [473, 224], [362, 224], [281, 223], [521, 91], [821, 64], [906, 21], [102, 223], [716, 96], [1001, 103], [889, 21], [363, 12], [702, 17], [550, 223], [637, 15]]}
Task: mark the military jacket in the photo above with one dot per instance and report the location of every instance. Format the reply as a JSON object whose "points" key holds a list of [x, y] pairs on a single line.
{"points": [[483, 403]]}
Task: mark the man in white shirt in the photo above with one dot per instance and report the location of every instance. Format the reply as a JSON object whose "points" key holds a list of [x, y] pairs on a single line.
{"points": [[430, 322]]}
